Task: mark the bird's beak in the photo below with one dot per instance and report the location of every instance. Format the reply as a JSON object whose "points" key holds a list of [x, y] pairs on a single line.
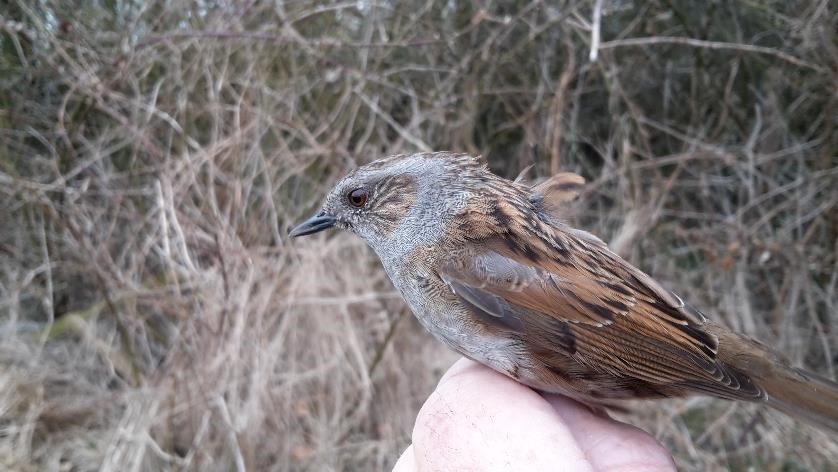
{"points": [[316, 223]]}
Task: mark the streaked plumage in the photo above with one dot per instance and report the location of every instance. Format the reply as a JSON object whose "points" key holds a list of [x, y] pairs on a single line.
{"points": [[490, 269]]}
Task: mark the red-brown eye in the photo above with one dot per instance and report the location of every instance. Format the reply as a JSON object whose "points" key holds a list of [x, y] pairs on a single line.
{"points": [[357, 197]]}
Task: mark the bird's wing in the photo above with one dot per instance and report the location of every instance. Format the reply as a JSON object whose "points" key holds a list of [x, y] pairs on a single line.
{"points": [[602, 311]]}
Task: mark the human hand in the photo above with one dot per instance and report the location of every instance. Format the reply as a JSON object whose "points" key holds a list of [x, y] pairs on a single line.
{"points": [[479, 420]]}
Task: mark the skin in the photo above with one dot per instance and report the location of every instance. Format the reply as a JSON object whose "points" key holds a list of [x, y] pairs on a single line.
{"points": [[477, 419]]}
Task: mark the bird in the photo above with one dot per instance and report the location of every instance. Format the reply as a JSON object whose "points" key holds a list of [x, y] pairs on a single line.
{"points": [[490, 268]]}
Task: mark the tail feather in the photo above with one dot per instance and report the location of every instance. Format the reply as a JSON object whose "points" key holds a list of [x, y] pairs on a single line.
{"points": [[804, 395], [793, 391]]}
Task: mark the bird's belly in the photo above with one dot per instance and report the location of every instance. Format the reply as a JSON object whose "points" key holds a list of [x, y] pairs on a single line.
{"points": [[502, 354], [449, 324], [439, 312]]}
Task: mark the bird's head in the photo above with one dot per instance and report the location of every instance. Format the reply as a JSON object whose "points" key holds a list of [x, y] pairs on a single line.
{"points": [[401, 202], [407, 196]]}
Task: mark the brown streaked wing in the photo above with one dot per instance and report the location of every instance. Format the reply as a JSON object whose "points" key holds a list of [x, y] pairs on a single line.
{"points": [[614, 323], [495, 282]]}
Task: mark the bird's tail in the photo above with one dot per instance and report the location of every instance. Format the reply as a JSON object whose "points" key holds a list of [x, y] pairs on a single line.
{"points": [[805, 395], [793, 391]]}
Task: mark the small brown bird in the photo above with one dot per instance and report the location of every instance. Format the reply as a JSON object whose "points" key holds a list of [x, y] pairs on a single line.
{"points": [[489, 268]]}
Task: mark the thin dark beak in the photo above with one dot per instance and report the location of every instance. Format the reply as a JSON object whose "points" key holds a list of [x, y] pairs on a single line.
{"points": [[316, 223]]}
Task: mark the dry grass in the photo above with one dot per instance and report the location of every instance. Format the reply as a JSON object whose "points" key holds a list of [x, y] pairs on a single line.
{"points": [[153, 314]]}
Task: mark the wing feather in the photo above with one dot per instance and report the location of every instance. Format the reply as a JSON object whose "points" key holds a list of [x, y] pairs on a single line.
{"points": [[606, 314]]}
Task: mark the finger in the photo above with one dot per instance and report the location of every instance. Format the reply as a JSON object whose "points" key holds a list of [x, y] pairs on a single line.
{"points": [[480, 420], [458, 367], [407, 461], [609, 444]]}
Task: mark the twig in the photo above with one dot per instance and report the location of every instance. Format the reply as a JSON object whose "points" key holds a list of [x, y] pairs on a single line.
{"points": [[379, 352], [154, 39], [558, 106], [595, 27], [414, 140], [231, 433], [349, 299], [700, 43]]}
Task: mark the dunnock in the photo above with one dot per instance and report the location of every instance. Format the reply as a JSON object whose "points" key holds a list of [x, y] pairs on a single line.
{"points": [[489, 268]]}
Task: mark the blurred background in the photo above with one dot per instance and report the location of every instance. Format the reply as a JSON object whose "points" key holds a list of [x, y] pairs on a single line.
{"points": [[153, 154]]}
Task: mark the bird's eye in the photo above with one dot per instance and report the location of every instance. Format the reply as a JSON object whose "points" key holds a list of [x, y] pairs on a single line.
{"points": [[357, 197]]}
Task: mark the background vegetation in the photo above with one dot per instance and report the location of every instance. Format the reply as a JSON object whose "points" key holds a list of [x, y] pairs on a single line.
{"points": [[153, 154]]}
